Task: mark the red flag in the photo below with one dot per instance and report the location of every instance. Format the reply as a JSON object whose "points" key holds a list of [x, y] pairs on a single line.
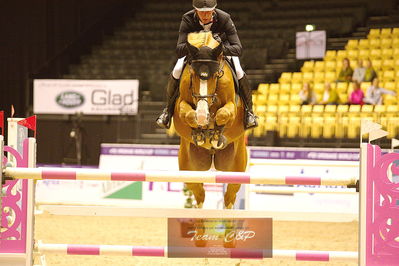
{"points": [[29, 122], [2, 122]]}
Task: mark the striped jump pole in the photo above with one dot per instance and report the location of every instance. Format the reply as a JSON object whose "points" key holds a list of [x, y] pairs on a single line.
{"points": [[290, 190], [173, 176], [135, 251]]}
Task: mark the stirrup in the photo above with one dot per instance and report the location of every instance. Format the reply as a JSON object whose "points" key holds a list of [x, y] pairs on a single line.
{"points": [[250, 120], [163, 121]]}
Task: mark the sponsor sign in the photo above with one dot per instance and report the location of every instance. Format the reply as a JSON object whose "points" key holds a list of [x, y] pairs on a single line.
{"points": [[91, 97], [245, 238]]}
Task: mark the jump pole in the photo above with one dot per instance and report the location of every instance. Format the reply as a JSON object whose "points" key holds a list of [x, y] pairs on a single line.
{"points": [[172, 176]]}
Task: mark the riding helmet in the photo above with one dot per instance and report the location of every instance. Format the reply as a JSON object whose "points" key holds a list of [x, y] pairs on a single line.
{"points": [[204, 5]]}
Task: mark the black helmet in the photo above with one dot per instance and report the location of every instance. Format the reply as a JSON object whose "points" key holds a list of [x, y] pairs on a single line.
{"points": [[204, 5]]}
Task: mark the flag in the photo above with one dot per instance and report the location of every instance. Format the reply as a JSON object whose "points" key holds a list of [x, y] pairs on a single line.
{"points": [[377, 134], [368, 126], [395, 143], [29, 122], [2, 122]]}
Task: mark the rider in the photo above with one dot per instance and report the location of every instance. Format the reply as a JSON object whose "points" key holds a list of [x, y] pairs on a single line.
{"points": [[205, 17]]}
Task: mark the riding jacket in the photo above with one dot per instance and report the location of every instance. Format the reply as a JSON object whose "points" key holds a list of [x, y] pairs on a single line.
{"points": [[222, 25]]}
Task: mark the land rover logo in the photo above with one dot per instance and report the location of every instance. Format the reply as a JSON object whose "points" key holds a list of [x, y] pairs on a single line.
{"points": [[70, 99]]}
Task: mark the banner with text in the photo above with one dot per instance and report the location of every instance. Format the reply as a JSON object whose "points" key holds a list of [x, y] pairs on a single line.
{"points": [[91, 97]]}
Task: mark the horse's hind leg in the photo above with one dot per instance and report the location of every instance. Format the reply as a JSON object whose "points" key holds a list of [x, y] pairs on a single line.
{"points": [[193, 158]]}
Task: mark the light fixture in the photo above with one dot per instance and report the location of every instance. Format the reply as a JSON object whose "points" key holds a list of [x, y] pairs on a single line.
{"points": [[310, 27]]}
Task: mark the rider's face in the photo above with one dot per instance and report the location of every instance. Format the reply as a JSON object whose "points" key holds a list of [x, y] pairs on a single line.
{"points": [[205, 16]]}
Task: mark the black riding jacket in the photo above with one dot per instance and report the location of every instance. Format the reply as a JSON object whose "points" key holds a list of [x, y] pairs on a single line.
{"points": [[222, 25]]}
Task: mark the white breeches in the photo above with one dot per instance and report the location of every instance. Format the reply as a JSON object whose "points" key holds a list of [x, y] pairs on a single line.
{"points": [[178, 69]]}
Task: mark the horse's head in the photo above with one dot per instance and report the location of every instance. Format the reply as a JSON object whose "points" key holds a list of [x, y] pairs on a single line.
{"points": [[205, 69]]}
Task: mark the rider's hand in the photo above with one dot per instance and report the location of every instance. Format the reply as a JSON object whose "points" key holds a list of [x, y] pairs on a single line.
{"points": [[217, 38]]}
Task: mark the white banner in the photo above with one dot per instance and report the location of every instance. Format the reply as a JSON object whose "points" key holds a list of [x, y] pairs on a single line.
{"points": [[91, 97], [310, 44]]}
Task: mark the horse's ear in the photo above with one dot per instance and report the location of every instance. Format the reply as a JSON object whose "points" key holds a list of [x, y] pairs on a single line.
{"points": [[217, 51], [192, 49]]}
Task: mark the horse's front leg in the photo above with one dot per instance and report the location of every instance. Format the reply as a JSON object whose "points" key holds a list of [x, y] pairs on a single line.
{"points": [[226, 115], [188, 114]]}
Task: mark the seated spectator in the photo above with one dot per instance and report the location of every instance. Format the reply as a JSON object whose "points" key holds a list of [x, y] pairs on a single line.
{"points": [[370, 73], [307, 94], [359, 72], [374, 93], [330, 96], [346, 73], [357, 95]]}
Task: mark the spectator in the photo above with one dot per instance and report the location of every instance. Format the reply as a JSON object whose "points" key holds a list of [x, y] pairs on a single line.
{"points": [[359, 72], [307, 94], [346, 73], [370, 73], [330, 96], [375, 92], [357, 95]]}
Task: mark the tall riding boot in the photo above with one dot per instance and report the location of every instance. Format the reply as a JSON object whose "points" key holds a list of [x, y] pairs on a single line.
{"points": [[246, 95], [165, 119]]}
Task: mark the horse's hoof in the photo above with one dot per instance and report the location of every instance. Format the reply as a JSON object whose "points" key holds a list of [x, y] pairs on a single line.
{"points": [[219, 142]]}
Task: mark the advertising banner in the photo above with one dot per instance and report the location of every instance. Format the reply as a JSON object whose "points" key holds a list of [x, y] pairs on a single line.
{"points": [[90, 97]]}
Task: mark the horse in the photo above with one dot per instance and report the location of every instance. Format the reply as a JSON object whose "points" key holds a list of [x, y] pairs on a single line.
{"points": [[208, 116]]}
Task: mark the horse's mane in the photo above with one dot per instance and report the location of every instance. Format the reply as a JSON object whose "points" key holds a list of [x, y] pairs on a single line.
{"points": [[202, 38]]}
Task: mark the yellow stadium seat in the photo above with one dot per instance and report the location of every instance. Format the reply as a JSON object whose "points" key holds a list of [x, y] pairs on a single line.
{"points": [[364, 53], [353, 54], [295, 109], [364, 44], [282, 125], [296, 87], [285, 88], [374, 33], [385, 33], [397, 74], [396, 53], [306, 109], [318, 87], [330, 109], [377, 64], [355, 109], [374, 43], [330, 65], [284, 99], [343, 98], [274, 88], [354, 127], [317, 127], [294, 123], [379, 109], [395, 32], [307, 66], [341, 54], [342, 109], [272, 109], [271, 123], [272, 99], [330, 55], [263, 88], [364, 86], [352, 45], [386, 43], [319, 108], [260, 109], [330, 76], [375, 53], [389, 99], [261, 99], [318, 77], [296, 77], [367, 108], [283, 109], [388, 64], [396, 64], [388, 75], [342, 87], [308, 77], [387, 53], [329, 126], [285, 77], [319, 66]]}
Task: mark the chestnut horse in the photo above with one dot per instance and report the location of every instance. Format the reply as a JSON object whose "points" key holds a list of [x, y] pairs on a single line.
{"points": [[208, 116]]}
